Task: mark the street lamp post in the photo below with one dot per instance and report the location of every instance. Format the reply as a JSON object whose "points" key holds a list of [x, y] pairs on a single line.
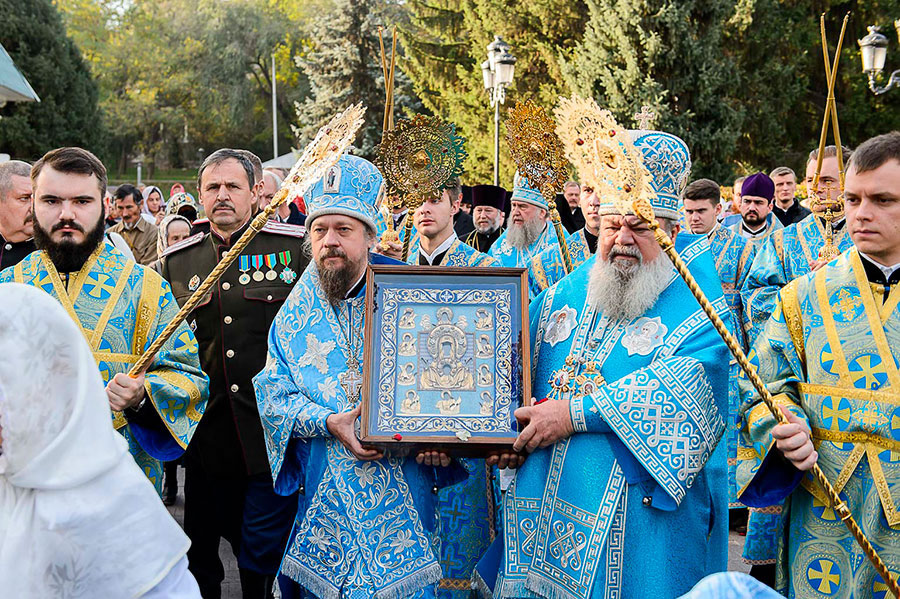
{"points": [[873, 52], [498, 71]]}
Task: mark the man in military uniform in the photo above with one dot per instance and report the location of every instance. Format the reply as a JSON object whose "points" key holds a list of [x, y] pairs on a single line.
{"points": [[16, 230], [488, 202], [228, 486]]}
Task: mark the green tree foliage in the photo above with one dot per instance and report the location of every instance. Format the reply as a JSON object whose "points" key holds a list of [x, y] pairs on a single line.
{"points": [[667, 54], [181, 76], [35, 38], [446, 43], [344, 67]]}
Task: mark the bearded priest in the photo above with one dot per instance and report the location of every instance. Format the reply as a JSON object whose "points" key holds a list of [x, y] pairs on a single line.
{"points": [[622, 494], [365, 522]]}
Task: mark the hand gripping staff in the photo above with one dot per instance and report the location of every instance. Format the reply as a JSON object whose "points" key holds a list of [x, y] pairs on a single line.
{"points": [[322, 152], [617, 172]]}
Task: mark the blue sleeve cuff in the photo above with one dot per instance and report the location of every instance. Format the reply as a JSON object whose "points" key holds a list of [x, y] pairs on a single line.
{"points": [[773, 482]]}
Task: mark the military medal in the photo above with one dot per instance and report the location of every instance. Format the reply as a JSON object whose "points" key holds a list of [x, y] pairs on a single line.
{"points": [[244, 267], [271, 262], [287, 274], [257, 264], [194, 283]]}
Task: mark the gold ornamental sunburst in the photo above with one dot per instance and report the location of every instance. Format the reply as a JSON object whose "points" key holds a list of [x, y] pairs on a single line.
{"points": [[536, 149], [419, 157]]}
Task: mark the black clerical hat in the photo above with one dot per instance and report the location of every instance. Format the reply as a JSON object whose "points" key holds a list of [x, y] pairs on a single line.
{"points": [[488, 195]]}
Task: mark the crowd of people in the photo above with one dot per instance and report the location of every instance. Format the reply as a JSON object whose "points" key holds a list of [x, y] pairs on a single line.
{"points": [[621, 484]]}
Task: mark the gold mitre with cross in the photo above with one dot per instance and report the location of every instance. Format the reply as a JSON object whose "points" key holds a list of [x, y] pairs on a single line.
{"points": [[623, 166]]}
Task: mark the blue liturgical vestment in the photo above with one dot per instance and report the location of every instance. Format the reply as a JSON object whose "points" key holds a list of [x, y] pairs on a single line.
{"points": [[507, 255], [466, 510], [458, 254], [363, 529], [548, 267], [733, 255], [781, 258], [631, 505], [122, 307], [829, 353]]}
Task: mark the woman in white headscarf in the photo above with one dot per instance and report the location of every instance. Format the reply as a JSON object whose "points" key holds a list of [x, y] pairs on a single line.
{"points": [[153, 206], [77, 516]]}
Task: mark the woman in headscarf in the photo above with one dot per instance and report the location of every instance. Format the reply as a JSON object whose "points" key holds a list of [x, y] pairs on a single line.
{"points": [[184, 204], [78, 518], [153, 207], [172, 229]]}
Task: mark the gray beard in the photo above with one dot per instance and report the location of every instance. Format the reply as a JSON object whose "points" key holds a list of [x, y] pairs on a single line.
{"points": [[491, 227], [625, 293], [521, 237]]}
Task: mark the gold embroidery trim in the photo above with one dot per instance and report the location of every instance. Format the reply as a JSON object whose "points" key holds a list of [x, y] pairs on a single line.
{"points": [[875, 321], [881, 395], [790, 307], [97, 335], [837, 350]]}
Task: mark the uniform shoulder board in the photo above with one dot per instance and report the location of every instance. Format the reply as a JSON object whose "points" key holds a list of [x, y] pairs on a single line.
{"points": [[186, 242], [284, 229], [200, 221]]}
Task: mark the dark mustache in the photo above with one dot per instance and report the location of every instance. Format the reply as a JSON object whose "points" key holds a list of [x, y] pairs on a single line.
{"points": [[71, 224], [225, 204]]}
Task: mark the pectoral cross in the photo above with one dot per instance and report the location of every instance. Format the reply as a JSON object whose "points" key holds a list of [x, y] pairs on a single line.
{"points": [[351, 381], [645, 117]]}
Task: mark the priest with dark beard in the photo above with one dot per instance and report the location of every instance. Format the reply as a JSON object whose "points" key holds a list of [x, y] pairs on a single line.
{"points": [[120, 306], [309, 401]]}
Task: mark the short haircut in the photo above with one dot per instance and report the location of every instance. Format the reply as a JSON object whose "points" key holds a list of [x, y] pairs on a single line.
{"points": [[274, 176], [220, 156], [454, 188], [874, 152], [703, 189], [571, 183], [126, 190], [830, 151], [256, 162], [10, 169], [782, 171], [738, 181], [72, 160]]}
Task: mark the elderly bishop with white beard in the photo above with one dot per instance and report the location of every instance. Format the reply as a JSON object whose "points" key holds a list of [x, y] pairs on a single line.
{"points": [[622, 495]]}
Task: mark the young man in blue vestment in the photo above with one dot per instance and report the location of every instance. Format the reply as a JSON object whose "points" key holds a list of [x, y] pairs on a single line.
{"points": [[438, 242], [547, 268], [364, 521], [829, 356], [466, 510], [528, 232], [620, 496], [733, 255], [120, 306]]}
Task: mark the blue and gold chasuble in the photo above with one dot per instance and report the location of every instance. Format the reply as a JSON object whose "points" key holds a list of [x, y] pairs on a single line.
{"points": [[363, 529], [733, 255], [509, 256], [829, 353], [781, 258], [121, 308], [548, 268], [458, 254], [631, 505], [466, 511]]}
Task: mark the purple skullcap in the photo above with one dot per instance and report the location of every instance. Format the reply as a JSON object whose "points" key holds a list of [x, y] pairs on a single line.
{"points": [[758, 185]]}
